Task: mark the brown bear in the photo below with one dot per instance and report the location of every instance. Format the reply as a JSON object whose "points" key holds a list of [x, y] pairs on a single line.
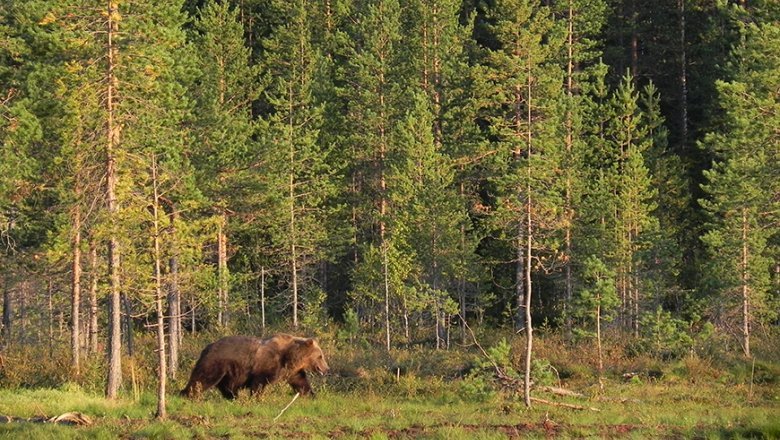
{"points": [[237, 362]]}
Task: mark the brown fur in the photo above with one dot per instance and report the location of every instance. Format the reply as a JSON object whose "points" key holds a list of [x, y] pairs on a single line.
{"points": [[237, 362]]}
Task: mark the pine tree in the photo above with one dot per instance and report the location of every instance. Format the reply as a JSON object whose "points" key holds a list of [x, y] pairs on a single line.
{"points": [[226, 157], [427, 216], [584, 20], [299, 179], [632, 195], [438, 60], [742, 185], [373, 111], [525, 84]]}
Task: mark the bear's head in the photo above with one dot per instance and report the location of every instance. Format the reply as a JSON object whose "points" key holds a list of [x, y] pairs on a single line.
{"points": [[308, 356]]}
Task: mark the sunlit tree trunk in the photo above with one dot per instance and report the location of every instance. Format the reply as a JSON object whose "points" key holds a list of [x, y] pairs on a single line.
{"points": [[158, 297], [528, 246], [93, 305], [745, 290], [222, 271], [7, 310], [174, 299], [112, 133], [75, 312]]}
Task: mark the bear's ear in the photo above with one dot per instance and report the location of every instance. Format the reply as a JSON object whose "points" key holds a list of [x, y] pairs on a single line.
{"points": [[310, 342]]}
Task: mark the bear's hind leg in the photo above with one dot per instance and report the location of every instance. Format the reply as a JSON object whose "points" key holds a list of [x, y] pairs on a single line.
{"points": [[300, 384]]}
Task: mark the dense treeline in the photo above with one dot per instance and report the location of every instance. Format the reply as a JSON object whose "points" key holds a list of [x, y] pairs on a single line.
{"points": [[397, 165]]}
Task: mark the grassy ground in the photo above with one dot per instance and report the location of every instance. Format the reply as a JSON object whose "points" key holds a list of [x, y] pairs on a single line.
{"points": [[413, 392], [661, 409]]}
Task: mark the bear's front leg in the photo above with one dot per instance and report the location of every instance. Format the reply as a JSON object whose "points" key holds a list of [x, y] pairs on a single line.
{"points": [[300, 384], [257, 384]]}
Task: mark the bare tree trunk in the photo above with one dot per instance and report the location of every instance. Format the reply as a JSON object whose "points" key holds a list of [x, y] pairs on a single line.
{"points": [[293, 231], [7, 310], [387, 297], [158, 298], [193, 321], [745, 279], [50, 308], [23, 313], [528, 250], [634, 41], [462, 277], [598, 342], [383, 208], [174, 299], [569, 151], [262, 297], [93, 306], [683, 75], [128, 320], [115, 315], [75, 312], [222, 273]]}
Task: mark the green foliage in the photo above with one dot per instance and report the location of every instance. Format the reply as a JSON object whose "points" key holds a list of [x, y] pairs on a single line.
{"points": [[665, 336], [482, 383]]}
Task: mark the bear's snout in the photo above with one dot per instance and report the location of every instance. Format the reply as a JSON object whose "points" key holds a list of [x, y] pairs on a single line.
{"points": [[322, 368]]}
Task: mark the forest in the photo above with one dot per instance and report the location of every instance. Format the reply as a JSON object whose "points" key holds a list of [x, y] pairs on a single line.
{"points": [[396, 178]]}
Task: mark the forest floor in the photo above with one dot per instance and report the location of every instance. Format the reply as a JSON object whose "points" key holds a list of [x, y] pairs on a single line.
{"points": [[633, 409]]}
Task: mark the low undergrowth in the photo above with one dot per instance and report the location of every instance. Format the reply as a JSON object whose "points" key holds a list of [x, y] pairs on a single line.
{"points": [[412, 392]]}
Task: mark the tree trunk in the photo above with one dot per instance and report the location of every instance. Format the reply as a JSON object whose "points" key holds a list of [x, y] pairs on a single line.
{"points": [[174, 300], [683, 76], [222, 273], [528, 249], [598, 342], [75, 312], [158, 298], [745, 280], [569, 152], [387, 297], [50, 304], [7, 310], [128, 322], [293, 237], [93, 304], [634, 41], [115, 315], [262, 298], [383, 206]]}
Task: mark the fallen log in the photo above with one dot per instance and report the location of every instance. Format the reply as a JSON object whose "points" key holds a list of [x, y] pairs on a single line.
{"points": [[564, 405], [69, 418], [561, 391]]}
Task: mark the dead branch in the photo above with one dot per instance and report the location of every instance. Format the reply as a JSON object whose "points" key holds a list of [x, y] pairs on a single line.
{"points": [[561, 391], [288, 405]]}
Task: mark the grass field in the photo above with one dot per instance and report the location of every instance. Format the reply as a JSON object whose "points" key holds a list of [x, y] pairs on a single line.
{"points": [[627, 410]]}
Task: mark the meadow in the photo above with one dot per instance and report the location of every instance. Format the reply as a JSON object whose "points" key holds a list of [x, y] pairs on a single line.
{"points": [[414, 393]]}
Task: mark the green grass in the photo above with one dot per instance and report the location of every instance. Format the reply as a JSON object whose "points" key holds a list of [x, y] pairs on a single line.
{"points": [[661, 409]]}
